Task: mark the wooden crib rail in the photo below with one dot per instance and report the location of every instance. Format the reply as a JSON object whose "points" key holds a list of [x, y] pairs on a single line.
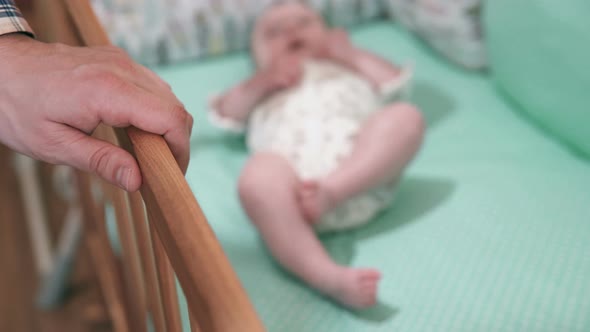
{"points": [[216, 299]]}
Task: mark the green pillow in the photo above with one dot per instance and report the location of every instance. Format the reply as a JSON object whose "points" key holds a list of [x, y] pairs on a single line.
{"points": [[540, 57]]}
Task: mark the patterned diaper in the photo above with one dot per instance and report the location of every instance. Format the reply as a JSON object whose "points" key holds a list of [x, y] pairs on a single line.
{"points": [[314, 126]]}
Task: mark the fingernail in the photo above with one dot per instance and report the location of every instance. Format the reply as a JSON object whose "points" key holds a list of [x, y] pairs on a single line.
{"points": [[123, 176]]}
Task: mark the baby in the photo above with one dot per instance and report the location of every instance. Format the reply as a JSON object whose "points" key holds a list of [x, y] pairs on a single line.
{"points": [[329, 139]]}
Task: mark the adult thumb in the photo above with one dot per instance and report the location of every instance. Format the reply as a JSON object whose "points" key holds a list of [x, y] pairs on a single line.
{"points": [[108, 161]]}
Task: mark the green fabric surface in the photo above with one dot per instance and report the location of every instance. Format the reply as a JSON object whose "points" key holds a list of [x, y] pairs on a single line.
{"points": [[539, 55], [489, 232]]}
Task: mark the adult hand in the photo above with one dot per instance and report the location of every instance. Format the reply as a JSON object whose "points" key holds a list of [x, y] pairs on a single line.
{"points": [[52, 97]]}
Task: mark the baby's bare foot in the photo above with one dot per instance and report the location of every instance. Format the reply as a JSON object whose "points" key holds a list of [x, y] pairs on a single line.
{"points": [[314, 200], [357, 288]]}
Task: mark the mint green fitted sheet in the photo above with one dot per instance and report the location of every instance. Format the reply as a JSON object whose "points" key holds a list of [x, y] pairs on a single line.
{"points": [[490, 231]]}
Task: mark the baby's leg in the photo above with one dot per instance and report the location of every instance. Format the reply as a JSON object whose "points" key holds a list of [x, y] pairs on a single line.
{"points": [[386, 143], [267, 189]]}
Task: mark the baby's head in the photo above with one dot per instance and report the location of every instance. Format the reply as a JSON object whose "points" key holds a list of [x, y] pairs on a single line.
{"points": [[288, 27]]}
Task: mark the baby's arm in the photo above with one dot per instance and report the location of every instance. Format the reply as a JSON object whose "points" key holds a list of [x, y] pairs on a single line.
{"points": [[238, 102], [376, 69]]}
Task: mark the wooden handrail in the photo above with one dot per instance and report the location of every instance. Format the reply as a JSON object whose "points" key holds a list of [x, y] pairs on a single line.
{"points": [[214, 294]]}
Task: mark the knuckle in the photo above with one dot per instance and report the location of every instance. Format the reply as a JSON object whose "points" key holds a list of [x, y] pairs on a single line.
{"points": [[85, 71], [96, 74], [107, 79], [123, 62], [109, 48], [190, 120], [96, 84], [99, 159], [116, 49], [179, 115]]}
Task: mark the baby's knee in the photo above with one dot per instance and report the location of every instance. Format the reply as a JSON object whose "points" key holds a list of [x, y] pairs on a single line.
{"points": [[262, 175], [410, 118], [248, 186], [251, 183]]}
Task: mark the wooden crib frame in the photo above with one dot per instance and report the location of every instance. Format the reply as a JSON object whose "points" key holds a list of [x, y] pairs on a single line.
{"points": [[162, 230]]}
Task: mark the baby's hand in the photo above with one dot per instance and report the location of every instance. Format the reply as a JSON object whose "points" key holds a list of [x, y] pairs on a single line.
{"points": [[337, 47], [286, 72]]}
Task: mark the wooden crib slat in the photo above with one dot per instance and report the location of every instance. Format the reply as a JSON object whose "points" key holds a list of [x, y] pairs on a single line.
{"points": [[167, 282], [194, 323], [214, 293], [132, 269], [148, 261], [53, 22], [102, 255]]}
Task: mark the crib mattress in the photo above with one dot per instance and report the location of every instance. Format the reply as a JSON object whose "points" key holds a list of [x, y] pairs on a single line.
{"points": [[489, 232]]}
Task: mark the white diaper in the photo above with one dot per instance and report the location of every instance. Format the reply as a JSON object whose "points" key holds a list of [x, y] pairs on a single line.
{"points": [[314, 126]]}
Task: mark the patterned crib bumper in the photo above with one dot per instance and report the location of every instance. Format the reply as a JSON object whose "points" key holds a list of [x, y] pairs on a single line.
{"points": [[163, 31]]}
